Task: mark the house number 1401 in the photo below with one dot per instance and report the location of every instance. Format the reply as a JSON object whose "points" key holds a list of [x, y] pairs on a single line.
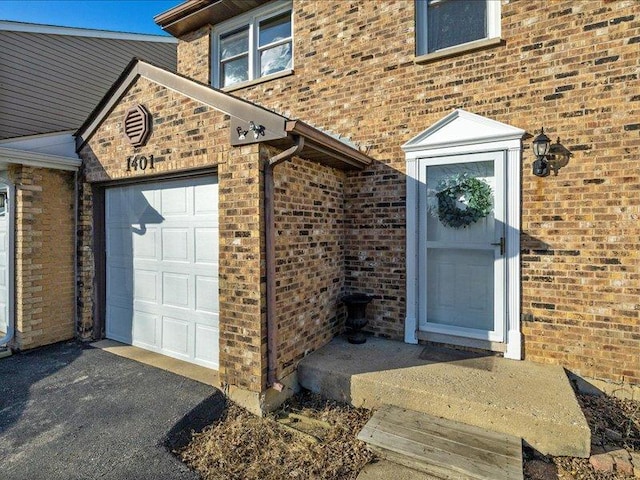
{"points": [[139, 163]]}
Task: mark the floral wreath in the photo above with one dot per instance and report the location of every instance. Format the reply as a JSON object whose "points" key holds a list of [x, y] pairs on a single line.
{"points": [[462, 200]]}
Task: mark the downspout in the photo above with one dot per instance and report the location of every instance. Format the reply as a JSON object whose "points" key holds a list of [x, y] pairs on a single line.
{"points": [[76, 212], [11, 320], [270, 254]]}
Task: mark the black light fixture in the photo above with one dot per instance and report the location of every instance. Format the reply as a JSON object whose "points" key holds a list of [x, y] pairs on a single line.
{"points": [[548, 157], [541, 145]]}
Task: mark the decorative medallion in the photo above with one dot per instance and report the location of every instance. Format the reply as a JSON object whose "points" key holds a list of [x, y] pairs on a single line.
{"points": [[137, 125]]}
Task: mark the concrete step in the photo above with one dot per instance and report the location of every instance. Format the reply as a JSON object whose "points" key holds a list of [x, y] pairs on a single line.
{"points": [[523, 399], [442, 448]]}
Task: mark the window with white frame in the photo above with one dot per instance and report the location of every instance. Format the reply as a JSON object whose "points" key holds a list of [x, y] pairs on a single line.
{"points": [[253, 46], [442, 24]]}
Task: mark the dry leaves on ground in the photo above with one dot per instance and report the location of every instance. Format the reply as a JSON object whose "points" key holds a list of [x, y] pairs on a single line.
{"points": [[614, 422], [242, 446]]}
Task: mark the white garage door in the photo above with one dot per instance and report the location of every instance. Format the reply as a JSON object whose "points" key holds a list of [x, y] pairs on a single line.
{"points": [[162, 268]]}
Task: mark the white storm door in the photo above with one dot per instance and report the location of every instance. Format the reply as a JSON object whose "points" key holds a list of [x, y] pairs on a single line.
{"points": [[462, 270], [162, 268]]}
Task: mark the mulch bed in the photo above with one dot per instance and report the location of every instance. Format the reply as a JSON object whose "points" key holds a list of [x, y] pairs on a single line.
{"points": [[242, 446]]}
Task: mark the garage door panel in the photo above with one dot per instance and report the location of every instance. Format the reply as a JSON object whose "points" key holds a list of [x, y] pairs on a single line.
{"points": [[205, 243], [162, 267], [175, 244], [145, 328], [119, 326], [202, 203], [115, 206], [175, 335], [207, 294], [145, 245], [119, 281], [119, 241], [145, 286], [175, 201], [175, 290], [207, 345]]}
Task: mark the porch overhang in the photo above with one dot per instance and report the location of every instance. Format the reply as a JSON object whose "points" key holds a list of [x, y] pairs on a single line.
{"points": [[323, 148], [249, 123], [193, 14]]}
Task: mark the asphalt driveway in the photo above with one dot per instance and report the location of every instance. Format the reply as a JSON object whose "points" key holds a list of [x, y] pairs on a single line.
{"points": [[70, 411]]}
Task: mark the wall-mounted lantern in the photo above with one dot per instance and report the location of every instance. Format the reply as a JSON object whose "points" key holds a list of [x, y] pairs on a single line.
{"points": [[548, 157]]}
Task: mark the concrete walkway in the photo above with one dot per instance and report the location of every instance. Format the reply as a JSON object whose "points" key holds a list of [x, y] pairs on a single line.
{"points": [[531, 401], [70, 411]]}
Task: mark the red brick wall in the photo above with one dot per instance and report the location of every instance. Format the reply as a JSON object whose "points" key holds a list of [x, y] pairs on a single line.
{"points": [[570, 66]]}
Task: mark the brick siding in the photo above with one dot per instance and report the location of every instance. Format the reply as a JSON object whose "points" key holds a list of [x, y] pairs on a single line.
{"points": [[44, 252], [309, 243], [191, 63], [570, 66]]}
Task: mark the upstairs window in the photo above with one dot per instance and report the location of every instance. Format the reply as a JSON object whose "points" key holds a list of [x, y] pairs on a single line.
{"points": [[443, 24], [253, 46]]}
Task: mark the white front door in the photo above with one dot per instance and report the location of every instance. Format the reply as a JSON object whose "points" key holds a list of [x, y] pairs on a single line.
{"points": [[461, 266], [162, 268]]}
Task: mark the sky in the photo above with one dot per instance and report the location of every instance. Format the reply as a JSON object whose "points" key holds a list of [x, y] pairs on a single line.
{"points": [[132, 16]]}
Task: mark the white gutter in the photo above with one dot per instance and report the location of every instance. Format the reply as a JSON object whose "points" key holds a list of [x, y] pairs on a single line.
{"points": [[37, 159]]}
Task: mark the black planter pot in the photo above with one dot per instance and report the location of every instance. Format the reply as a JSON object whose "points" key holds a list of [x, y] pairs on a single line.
{"points": [[356, 316]]}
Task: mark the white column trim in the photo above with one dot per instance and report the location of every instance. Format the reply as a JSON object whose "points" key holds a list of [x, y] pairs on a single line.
{"points": [[412, 214], [514, 337]]}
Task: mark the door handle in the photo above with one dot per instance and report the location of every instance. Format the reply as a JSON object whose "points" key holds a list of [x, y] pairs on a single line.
{"points": [[501, 244]]}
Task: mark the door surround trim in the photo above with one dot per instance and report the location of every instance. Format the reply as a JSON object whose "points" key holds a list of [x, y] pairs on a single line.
{"points": [[462, 132]]}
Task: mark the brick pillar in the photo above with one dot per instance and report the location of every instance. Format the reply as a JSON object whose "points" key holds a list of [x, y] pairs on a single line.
{"points": [[242, 271], [44, 250]]}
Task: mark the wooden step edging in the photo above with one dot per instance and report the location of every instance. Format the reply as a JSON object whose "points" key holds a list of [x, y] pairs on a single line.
{"points": [[444, 448]]}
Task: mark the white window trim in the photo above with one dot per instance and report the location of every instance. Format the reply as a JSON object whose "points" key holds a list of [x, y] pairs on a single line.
{"points": [[251, 19], [493, 32]]}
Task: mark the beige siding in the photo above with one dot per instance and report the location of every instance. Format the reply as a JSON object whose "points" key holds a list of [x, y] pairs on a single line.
{"points": [[52, 82]]}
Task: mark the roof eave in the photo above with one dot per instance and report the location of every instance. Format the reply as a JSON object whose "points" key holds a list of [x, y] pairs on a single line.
{"points": [[193, 14], [326, 144]]}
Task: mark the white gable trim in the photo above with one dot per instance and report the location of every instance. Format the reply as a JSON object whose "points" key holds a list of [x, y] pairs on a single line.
{"points": [[461, 128], [462, 132]]}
